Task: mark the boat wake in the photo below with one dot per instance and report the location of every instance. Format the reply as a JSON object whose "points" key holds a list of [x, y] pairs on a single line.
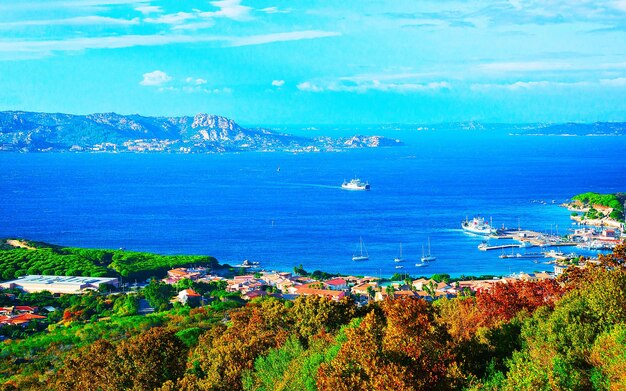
{"points": [[296, 185]]}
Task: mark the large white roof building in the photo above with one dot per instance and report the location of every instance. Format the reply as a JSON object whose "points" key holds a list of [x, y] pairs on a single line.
{"points": [[58, 284]]}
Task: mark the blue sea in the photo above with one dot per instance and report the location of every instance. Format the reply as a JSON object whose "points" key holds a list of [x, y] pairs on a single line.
{"points": [[240, 206]]}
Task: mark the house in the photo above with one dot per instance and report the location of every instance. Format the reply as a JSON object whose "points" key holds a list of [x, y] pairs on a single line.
{"points": [[380, 296], [609, 233], [254, 294], [363, 289], [420, 283], [19, 320], [244, 284], [424, 295], [330, 294], [189, 297], [542, 276], [559, 269], [284, 285], [528, 277], [337, 284], [17, 309]]}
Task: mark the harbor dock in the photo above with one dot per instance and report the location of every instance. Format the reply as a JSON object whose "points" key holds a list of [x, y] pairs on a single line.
{"points": [[485, 247]]}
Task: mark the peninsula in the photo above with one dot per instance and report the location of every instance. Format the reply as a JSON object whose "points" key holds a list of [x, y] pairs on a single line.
{"points": [[203, 133], [598, 209]]}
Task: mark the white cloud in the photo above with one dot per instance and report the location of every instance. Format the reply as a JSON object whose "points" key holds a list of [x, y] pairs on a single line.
{"points": [[549, 66], [230, 9], [195, 25], [149, 9], [526, 66], [363, 86], [177, 18], [206, 90], [281, 37], [74, 5], [155, 78], [309, 87], [196, 81], [278, 83], [77, 21], [528, 85], [517, 4], [274, 10], [44, 47], [11, 49], [620, 5], [617, 82]]}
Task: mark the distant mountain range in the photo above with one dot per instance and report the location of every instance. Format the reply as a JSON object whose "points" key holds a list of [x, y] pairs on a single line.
{"points": [[535, 129], [111, 132], [572, 129]]}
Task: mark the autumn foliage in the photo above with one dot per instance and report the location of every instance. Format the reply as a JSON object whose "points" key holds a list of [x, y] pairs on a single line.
{"points": [[565, 334]]}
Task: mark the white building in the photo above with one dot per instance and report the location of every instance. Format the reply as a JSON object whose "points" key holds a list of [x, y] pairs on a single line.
{"points": [[58, 284]]}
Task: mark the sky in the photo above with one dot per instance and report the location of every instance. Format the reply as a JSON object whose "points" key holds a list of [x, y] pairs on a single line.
{"points": [[318, 62]]}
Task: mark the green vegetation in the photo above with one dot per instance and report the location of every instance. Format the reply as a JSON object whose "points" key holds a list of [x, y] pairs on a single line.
{"points": [[568, 334], [67, 261], [614, 201], [317, 274]]}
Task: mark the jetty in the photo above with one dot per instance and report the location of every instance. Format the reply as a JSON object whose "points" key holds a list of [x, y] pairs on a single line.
{"points": [[486, 247]]}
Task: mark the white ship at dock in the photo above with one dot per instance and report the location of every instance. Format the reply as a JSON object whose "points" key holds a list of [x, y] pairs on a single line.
{"points": [[478, 226]]}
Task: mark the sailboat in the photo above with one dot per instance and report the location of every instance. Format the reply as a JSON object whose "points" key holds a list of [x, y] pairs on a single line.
{"points": [[399, 259], [427, 258], [362, 256]]}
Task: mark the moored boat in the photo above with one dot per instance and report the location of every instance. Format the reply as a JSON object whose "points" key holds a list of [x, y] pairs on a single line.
{"points": [[429, 257], [399, 258], [361, 256]]}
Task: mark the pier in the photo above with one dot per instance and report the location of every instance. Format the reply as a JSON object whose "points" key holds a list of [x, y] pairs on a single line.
{"points": [[485, 247]]}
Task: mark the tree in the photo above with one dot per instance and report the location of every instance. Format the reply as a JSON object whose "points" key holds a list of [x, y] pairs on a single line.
{"points": [[223, 354], [389, 290], [143, 362], [158, 294], [370, 293], [401, 349], [314, 314]]}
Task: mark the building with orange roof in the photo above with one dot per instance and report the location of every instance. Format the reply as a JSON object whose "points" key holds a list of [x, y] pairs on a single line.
{"points": [[330, 294], [189, 297], [362, 289], [337, 284], [21, 319]]}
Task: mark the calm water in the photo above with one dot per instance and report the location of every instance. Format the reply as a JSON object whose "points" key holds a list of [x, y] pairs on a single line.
{"points": [[239, 206]]}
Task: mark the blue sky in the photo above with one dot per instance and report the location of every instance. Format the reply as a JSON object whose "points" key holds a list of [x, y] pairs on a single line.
{"points": [[308, 62]]}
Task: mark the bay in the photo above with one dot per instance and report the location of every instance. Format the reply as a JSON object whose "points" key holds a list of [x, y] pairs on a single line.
{"points": [[240, 206]]}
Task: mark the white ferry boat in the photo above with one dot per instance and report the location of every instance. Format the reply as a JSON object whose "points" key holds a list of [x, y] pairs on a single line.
{"points": [[355, 184], [478, 226]]}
